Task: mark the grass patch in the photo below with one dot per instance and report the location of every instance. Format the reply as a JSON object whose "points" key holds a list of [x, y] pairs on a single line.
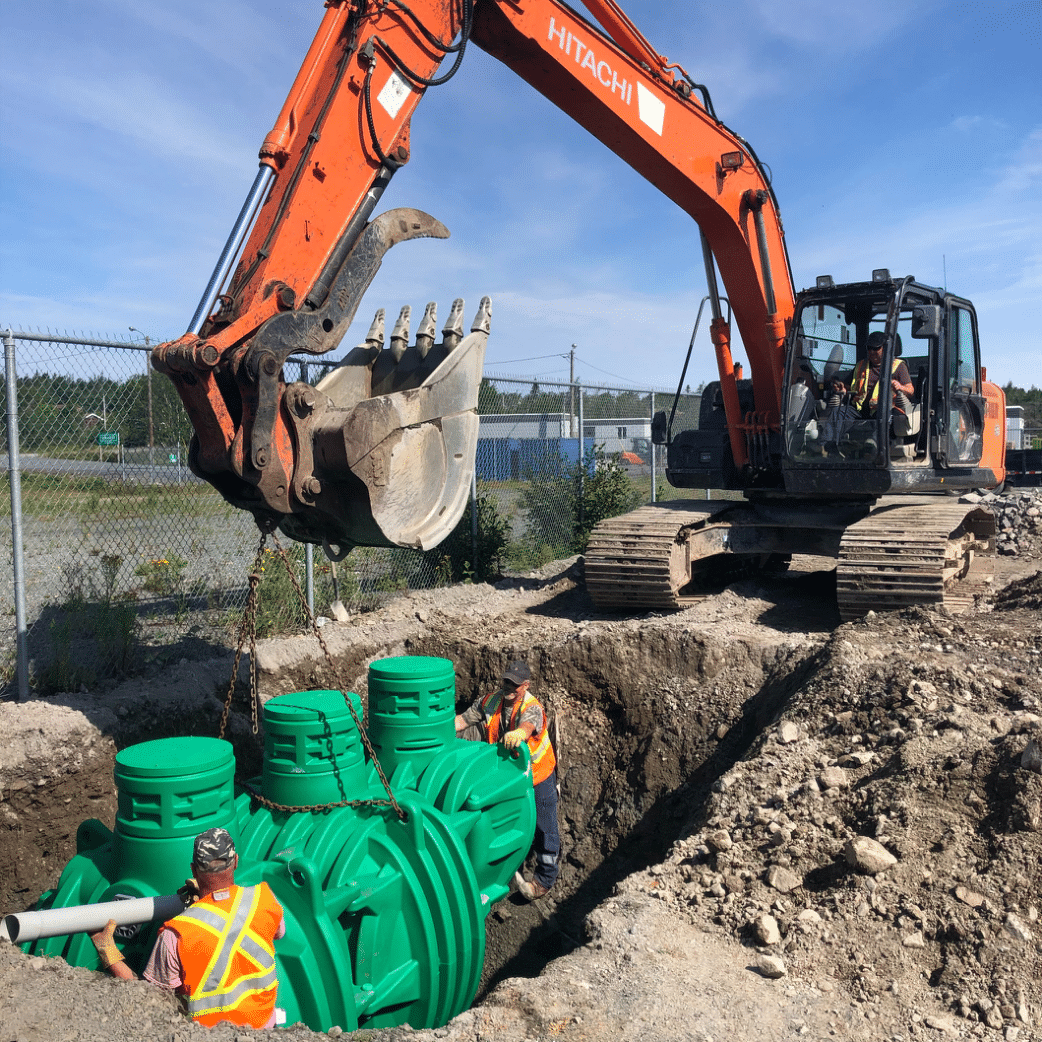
{"points": [[53, 495]]}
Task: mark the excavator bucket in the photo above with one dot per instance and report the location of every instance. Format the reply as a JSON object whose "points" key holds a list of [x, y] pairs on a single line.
{"points": [[380, 452], [393, 433]]}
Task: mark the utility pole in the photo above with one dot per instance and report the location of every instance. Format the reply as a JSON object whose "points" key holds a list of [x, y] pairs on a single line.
{"points": [[571, 391]]}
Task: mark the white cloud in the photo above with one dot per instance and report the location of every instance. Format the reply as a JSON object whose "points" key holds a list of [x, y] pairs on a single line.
{"points": [[977, 124], [841, 27], [142, 109], [1025, 169]]}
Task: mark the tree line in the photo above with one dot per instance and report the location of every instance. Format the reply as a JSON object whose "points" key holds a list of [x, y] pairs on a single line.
{"points": [[55, 410], [1031, 400], [60, 410]]}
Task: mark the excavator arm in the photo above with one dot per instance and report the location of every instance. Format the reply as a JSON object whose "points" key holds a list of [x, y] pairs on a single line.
{"points": [[649, 112], [380, 452]]}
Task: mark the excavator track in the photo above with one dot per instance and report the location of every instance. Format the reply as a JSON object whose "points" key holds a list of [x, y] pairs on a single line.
{"points": [[907, 554], [642, 560]]}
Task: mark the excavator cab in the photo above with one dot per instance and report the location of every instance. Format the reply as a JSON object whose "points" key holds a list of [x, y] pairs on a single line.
{"points": [[883, 391]]}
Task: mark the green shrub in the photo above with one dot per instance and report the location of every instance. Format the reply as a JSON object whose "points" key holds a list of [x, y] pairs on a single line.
{"points": [[455, 559], [562, 508], [278, 604], [88, 642], [605, 491]]}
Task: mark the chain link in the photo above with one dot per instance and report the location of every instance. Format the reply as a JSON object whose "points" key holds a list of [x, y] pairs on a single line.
{"points": [[317, 630], [314, 808], [248, 630]]}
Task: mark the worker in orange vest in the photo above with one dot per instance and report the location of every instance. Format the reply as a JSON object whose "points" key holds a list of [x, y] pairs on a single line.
{"points": [[512, 715], [219, 954]]}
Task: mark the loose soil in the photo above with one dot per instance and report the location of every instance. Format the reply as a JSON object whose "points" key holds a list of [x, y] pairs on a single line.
{"points": [[775, 826]]}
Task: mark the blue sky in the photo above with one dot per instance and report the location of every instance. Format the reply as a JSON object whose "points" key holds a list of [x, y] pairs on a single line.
{"points": [[905, 135]]}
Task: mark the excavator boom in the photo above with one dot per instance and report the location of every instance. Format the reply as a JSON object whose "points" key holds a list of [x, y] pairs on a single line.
{"points": [[381, 452]]}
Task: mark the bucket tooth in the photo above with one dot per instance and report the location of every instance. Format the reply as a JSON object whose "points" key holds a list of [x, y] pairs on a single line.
{"points": [[483, 319], [400, 333], [452, 334], [374, 339], [425, 333], [391, 437]]}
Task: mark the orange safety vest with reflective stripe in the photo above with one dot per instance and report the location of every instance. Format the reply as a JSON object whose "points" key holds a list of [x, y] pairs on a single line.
{"points": [[860, 384], [543, 759], [227, 951]]}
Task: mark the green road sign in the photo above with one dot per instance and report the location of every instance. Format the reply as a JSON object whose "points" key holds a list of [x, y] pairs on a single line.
{"points": [[108, 438]]}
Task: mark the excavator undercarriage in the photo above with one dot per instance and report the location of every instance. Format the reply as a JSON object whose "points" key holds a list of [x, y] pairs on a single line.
{"points": [[893, 554]]}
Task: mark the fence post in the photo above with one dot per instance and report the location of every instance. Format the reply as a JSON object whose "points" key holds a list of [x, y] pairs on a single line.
{"points": [[151, 422], [309, 576], [474, 517], [309, 549], [14, 467], [582, 453], [654, 453]]}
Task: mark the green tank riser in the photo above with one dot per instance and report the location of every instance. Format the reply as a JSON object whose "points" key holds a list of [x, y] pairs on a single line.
{"points": [[385, 919]]}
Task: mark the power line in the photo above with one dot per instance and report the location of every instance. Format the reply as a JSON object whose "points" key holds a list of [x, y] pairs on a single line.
{"points": [[534, 358], [624, 379]]}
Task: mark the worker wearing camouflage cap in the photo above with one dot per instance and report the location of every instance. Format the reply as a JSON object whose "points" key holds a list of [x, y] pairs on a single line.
{"points": [[219, 954], [512, 715]]}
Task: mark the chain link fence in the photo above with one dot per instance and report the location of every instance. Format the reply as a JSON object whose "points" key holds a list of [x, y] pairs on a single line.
{"points": [[120, 557], [557, 457]]}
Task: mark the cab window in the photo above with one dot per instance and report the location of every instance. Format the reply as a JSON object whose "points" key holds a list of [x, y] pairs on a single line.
{"points": [[962, 353]]}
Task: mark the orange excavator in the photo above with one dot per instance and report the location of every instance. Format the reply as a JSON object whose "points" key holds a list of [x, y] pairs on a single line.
{"points": [[833, 458]]}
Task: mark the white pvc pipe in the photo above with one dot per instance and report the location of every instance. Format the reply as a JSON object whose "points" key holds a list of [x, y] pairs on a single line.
{"points": [[54, 922]]}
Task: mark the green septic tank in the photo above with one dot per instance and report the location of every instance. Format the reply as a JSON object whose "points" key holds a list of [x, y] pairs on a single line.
{"points": [[385, 919]]}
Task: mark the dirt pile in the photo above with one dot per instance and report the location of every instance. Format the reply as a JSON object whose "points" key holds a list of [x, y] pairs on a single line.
{"points": [[884, 836], [1023, 593]]}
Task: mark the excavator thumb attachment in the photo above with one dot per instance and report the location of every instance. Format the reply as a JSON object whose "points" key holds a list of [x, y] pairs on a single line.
{"points": [[386, 441], [380, 452]]}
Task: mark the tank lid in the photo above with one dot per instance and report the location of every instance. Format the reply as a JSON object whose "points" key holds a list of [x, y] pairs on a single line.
{"points": [[408, 667], [170, 756], [301, 706]]}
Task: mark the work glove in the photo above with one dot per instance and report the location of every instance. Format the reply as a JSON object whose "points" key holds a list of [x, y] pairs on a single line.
{"points": [[189, 893], [105, 942], [512, 739]]}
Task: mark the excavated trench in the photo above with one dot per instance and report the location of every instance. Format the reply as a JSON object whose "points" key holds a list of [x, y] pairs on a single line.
{"points": [[645, 727], [649, 713]]}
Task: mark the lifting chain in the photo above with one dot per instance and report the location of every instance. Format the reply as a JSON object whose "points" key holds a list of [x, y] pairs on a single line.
{"points": [[248, 629]]}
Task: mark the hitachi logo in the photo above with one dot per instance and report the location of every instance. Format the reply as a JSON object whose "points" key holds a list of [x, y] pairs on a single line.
{"points": [[585, 58]]}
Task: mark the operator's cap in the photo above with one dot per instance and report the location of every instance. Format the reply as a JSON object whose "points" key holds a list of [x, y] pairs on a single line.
{"points": [[517, 673], [214, 850], [876, 339]]}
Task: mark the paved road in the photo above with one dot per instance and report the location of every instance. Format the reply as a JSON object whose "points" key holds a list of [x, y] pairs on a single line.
{"points": [[154, 474]]}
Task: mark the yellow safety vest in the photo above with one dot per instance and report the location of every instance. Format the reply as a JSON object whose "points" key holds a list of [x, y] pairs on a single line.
{"points": [[860, 385]]}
